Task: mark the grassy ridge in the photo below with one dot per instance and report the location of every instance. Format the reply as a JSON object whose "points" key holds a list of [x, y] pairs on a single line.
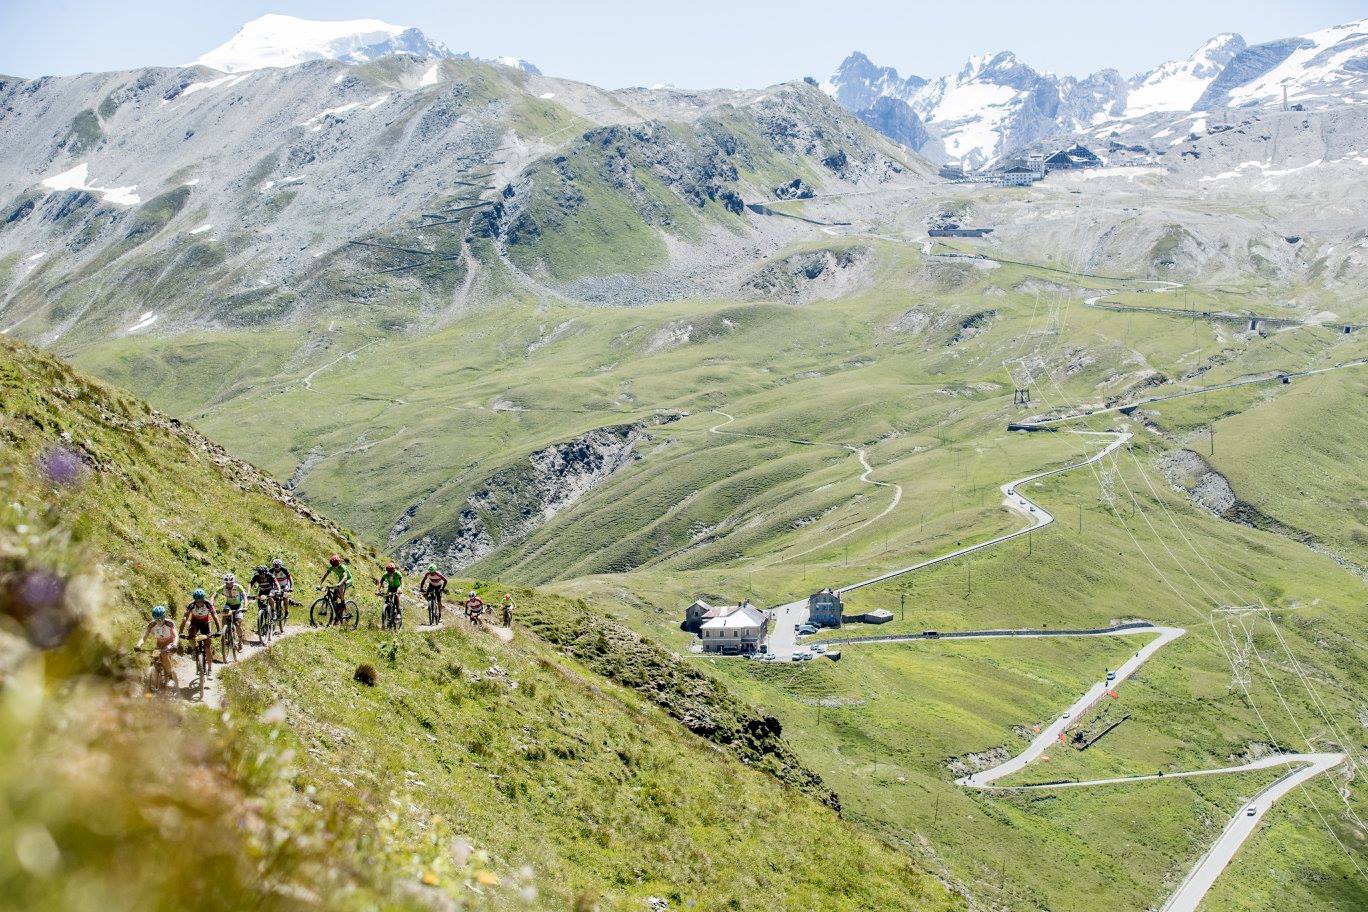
{"points": [[291, 797], [464, 734]]}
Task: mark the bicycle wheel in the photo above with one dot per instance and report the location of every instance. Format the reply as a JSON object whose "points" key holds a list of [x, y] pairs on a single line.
{"points": [[265, 624], [282, 611], [351, 615], [320, 612]]}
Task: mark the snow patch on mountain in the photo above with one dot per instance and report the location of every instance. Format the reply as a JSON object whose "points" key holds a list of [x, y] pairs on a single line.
{"points": [[78, 178], [1319, 61], [274, 40], [1176, 85]]}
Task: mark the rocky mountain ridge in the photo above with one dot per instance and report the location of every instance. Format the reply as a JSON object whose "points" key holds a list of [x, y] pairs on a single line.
{"points": [[164, 199], [996, 104]]}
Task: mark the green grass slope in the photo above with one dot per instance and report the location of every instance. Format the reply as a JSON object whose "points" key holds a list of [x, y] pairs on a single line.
{"points": [[584, 769]]}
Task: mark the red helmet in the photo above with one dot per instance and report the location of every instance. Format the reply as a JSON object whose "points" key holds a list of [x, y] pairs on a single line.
{"points": [[334, 560], [389, 566]]}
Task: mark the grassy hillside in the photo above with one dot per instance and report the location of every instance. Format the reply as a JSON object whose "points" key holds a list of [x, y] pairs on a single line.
{"points": [[474, 773], [582, 793]]}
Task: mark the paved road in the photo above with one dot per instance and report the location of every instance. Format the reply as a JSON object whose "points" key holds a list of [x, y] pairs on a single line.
{"points": [[1188, 896], [1242, 825], [1209, 867], [1035, 515], [782, 639]]}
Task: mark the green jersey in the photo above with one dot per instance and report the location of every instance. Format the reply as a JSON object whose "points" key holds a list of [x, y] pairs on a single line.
{"points": [[392, 581], [337, 576]]}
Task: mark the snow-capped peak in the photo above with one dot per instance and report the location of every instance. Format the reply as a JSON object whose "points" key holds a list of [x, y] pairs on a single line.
{"points": [[283, 41], [518, 63], [1176, 85]]}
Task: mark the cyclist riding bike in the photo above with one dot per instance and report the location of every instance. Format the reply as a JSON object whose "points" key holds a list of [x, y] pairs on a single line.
{"points": [[336, 578], [284, 586], [474, 607], [508, 610], [199, 617], [433, 584], [263, 586], [391, 581], [263, 583], [163, 632], [234, 602]]}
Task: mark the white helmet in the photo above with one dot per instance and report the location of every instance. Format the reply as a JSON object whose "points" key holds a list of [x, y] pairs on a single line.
{"points": [[229, 578]]}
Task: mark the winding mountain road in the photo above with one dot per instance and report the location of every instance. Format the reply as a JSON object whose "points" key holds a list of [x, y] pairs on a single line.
{"points": [[1244, 819]]}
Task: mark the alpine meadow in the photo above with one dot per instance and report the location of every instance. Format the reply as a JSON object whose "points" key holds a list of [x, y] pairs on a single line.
{"points": [[433, 484]]}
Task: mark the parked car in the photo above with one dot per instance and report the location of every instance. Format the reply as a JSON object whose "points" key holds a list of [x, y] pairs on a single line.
{"points": [[1065, 716], [930, 634], [807, 630], [819, 648]]}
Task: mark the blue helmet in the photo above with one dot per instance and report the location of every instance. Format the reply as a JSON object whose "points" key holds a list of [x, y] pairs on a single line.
{"points": [[198, 594], [159, 612]]}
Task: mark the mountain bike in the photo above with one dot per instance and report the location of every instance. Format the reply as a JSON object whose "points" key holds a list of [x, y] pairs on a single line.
{"points": [[232, 634], [282, 608], [391, 617], [327, 611], [204, 659], [156, 678], [266, 618], [434, 605]]}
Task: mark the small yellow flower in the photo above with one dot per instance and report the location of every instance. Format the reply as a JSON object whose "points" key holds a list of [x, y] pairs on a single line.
{"points": [[430, 878], [487, 878]]}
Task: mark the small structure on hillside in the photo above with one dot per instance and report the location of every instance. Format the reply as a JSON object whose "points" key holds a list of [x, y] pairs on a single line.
{"points": [[697, 613], [877, 616], [957, 231], [824, 608], [1072, 159], [1018, 176], [738, 630]]}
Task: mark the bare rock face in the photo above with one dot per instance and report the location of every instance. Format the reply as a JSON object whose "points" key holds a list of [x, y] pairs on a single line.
{"points": [[812, 275], [514, 502]]}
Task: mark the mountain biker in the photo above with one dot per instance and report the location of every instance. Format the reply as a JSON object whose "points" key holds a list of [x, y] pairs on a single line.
{"points": [[336, 579], [264, 586], [474, 607], [391, 581], [508, 610], [199, 615], [433, 584], [263, 583], [283, 585], [163, 630], [234, 601]]}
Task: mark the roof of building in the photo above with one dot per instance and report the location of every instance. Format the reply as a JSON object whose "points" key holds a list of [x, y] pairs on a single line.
{"points": [[740, 616]]}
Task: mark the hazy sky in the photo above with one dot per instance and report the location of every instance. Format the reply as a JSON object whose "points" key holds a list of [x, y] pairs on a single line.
{"points": [[693, 43]]}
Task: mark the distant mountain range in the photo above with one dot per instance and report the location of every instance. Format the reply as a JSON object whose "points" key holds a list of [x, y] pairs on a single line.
{"points": [[996, 104], [283, 41]]}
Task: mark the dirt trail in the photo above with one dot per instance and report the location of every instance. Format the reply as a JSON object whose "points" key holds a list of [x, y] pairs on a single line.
{"points": [[213, 691]]}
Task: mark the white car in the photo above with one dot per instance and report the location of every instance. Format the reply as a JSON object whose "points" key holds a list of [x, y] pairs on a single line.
{"points": [[819, 647], [1251, 810], [1065, 716]]}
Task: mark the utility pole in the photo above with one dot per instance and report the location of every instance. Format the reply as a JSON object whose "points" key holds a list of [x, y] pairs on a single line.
{"points": [[970, 568], [1211, 435], [1080, 517], [1030, 543], [902, 604]]}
